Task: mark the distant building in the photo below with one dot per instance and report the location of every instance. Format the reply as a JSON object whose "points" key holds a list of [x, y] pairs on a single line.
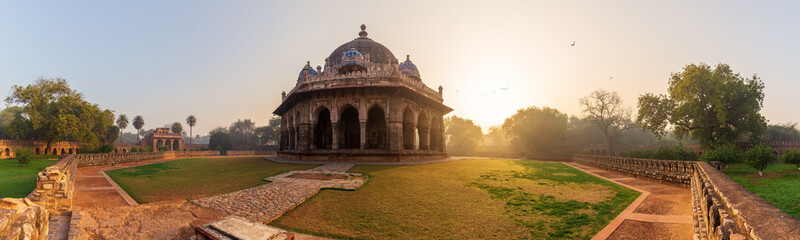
{"points": [[364, 105], [163, 137]]}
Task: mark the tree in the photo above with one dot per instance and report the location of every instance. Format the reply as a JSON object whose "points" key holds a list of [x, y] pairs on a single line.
{"points": [[138, 123], [792, 157], [781, 132], [713, 106], [54, 112], [606, 111], [191, 121], [122, 122], [23, 156], [176, 128], [243, 132], [537, 130], [462, 134], [220, 140], [759, 157]]}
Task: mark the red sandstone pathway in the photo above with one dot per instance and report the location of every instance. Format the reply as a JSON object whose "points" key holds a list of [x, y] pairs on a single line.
{"points": [[662, 211]]}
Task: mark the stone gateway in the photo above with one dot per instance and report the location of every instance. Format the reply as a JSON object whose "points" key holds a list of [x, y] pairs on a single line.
{"points": [[363, 105]]}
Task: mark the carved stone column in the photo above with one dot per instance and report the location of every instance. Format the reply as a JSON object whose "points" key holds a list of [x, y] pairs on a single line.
{"points": [[335, 137], [363, 134]]}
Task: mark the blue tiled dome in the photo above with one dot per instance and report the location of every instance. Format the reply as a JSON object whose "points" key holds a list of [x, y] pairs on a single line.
{"points": [[307, 70], [409, 69], [353, 57]]}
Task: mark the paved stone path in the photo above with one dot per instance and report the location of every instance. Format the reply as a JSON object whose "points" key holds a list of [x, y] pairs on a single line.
{"points": [[267, 202], [662, 211]]}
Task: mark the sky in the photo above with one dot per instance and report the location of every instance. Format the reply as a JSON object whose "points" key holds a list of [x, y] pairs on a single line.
{"points": [[226, 60]]}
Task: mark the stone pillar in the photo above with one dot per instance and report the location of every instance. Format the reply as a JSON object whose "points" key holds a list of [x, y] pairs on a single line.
{"points": [[425, 138], [396, 142], [443, 140], [335, 137], [303, 137], [363, 134], [312, 138]]}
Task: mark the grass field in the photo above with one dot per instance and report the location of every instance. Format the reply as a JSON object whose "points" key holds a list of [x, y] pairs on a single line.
{"points": [[467, 199], [196, 177], [17, 181], [780, 184]]}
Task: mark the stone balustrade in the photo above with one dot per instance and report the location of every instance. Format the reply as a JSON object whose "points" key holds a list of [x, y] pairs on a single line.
{"points": [[670, 171]]}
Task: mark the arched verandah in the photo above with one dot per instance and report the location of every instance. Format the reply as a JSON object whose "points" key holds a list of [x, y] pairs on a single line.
{"points": [[423, 129], [349, 129], [436, 134], [323, 132], [176, 145], [376, 129]]}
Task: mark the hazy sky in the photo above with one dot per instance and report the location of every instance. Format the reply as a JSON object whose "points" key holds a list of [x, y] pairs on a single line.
{"points": [[228, 60]]}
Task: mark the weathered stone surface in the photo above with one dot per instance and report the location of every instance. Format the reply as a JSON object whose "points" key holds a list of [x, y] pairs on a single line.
{"points": [[21, 220]]}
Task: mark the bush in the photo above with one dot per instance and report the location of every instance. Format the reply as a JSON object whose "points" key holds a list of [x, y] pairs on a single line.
{"points": [[105, 148], [204, 148], [134, 149], [792, 157], [147, 149], [163, 149], [663, 152], [726, 154], [759, 157], [23, 156]]}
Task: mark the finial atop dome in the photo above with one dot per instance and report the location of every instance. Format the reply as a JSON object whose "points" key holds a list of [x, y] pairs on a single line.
{"points": [[408, 58], [363, 33]]}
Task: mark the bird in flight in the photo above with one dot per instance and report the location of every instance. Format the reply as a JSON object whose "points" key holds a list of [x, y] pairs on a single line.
{"points": [[573, 44]]}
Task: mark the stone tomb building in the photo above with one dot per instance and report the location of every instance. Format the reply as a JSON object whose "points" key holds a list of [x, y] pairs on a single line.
{"points": [[364, 105], [163, 137]]}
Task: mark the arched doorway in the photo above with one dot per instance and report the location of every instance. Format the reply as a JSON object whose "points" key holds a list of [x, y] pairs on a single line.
{"points": [[323, 132], [70, 151], [376, 129], [436, 134], [408, 129], [176, 145], [124, 150], [423, 129], [8, 152], [38, 151], [159, 143], [349, 129], [55, 151]]}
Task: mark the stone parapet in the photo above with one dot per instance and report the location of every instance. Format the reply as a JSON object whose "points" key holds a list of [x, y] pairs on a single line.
{"points": [[670, 171], [22, 219], [723, 209]]}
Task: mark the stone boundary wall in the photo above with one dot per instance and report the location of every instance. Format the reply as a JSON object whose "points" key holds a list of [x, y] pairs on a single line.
{"points": [[7, 147], [670, 171], [551, 157], [723, 209], [240, 152], [55, 184]]}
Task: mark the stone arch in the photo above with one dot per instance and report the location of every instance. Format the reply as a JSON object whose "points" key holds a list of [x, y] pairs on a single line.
{"points": [[8, 152], [423, 129], [436, 133], [55, 151], [70, 151], [323, 130], [349, 128], [408, 128], [159, 143], [176, 145], [38, 151], [376, 128], [63, 151], [124, 150]]}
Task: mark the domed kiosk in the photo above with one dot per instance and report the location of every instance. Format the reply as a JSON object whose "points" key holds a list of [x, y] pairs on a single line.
{"points": [[362, 106]]}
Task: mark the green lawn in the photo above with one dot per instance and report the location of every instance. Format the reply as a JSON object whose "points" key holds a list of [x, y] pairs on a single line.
{"points": [[780, 184], [196, 177], [17, 181], [467, 199]]}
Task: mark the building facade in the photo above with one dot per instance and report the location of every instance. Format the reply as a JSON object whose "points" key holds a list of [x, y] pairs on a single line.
{"points": [[363, 105], [163, 137]]}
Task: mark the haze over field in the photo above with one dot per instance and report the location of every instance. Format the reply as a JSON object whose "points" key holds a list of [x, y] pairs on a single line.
{"points": [[223, 61]]}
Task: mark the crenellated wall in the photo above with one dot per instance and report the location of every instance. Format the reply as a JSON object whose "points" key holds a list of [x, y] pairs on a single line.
{"points": [[7, 147]]}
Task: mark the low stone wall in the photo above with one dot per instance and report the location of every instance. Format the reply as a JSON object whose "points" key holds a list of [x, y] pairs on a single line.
{"points": [[551, 157], [240, 152], [22, 219], [196, 153], [723, 209], [55, 183], [669, 171]]}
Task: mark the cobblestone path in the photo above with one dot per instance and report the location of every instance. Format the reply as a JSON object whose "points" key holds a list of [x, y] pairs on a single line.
{"points": [[267, 202]]}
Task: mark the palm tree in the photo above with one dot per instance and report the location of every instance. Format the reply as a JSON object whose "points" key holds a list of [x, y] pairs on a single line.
{"points": [[122, 123], [138, 123], [191, 121]]}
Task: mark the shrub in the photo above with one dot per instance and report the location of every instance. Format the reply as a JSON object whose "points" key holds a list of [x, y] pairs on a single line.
{"points": [[204, 148], [23, 156], [726, 154], [134, 149], [759, 157], [105, 148], [663, 152], [792, 157], [147, 149], [163, 149]]}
